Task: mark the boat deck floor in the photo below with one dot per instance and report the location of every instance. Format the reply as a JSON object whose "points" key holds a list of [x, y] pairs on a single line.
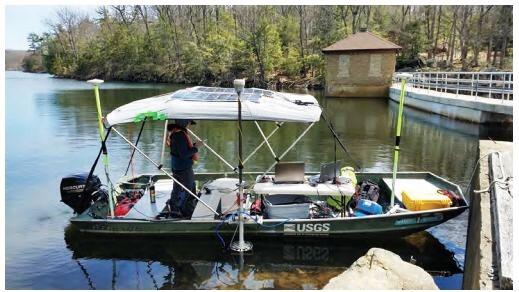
{"points": [[144, 209], [220, 194]]}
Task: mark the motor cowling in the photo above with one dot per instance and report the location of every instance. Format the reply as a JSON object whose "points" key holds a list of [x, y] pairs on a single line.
{"points": [[77, 193]]}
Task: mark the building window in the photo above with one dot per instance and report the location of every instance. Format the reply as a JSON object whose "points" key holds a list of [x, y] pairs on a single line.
{"points": [[375, 65], [343, 71]]}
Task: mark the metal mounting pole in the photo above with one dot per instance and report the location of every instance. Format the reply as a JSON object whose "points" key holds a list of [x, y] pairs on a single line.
{"points": [[278, 125], [95, 83], [266, 141], [404, 77], [241, 245], [165, 136], [136, 143]]}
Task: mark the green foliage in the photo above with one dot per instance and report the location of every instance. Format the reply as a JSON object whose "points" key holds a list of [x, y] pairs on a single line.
{"points": [[215, 44], [414, 39], [292, 62], [268, 37], [289, 31], [33, 63], [34, 42]]}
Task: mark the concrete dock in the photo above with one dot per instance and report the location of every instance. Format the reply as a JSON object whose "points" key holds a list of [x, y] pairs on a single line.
{"points": [[488, 259], [457, 106]]}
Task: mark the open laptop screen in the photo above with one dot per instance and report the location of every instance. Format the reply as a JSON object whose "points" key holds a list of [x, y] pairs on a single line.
{"points": [[290, 172], [329, 171]]}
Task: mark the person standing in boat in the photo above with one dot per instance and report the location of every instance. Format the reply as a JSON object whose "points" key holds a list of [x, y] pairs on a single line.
{"points": [[183, 154]]}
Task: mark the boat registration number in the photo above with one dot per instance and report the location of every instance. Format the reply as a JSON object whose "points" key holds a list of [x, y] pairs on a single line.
{"points": [[419, 220], [307, 228]]}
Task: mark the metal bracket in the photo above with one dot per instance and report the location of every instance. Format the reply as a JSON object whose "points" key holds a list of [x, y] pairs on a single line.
{"points": [[290, 147], [278, 126]]}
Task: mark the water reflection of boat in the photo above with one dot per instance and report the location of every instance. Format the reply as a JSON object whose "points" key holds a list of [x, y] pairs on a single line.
{"points": [[216, 209], [274, 264]]}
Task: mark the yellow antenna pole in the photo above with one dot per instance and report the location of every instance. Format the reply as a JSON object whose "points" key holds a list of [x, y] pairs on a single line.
{"points": [[403, 77], [96, 83]]}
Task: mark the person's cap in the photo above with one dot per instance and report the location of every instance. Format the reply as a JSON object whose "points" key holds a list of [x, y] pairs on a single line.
{"points": [[184, 123]]}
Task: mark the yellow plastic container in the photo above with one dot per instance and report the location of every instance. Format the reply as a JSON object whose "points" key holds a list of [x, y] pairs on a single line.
{"points": [[419, 201]]}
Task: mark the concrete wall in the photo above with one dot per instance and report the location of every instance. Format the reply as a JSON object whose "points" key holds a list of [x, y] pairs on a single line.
{"points": [[359, 74], [460, 107], [478, 252], [482, 261]]}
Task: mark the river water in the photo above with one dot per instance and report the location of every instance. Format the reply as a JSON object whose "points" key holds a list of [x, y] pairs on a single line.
{"points": [[51, 131]]}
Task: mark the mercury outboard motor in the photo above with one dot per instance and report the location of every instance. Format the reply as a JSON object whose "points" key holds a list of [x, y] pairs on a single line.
{"points": [[77, 193]]}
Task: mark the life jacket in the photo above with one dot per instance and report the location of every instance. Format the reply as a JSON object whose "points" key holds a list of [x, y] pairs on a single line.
{"points": [[195, 156]]}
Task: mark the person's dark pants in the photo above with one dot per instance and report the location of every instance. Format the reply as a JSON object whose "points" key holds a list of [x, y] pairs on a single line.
{"points": [[181, 201]]}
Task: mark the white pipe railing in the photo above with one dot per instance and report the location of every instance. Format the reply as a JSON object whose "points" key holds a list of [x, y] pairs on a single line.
{"points": [[496, 85]]}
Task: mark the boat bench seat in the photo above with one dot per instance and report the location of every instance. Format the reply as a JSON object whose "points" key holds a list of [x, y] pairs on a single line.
{"points": [[403, 184], [201, 212], [222, 193]]}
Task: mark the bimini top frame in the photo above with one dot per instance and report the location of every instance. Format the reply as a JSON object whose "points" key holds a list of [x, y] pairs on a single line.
{"points": [[213, 103]]}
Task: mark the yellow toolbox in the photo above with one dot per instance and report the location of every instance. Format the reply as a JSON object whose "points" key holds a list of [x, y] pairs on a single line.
{"points": [[419, 201]]}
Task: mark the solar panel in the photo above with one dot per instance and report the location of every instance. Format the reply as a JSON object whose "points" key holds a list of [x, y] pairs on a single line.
{"points": [[201, 93]]}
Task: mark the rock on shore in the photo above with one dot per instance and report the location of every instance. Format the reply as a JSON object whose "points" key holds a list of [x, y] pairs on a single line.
{"points": [[382, 269]]}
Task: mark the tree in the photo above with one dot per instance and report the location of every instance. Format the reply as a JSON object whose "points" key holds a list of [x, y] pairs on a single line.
{"points": [[35, 42], [463, 33], [214, 44]]}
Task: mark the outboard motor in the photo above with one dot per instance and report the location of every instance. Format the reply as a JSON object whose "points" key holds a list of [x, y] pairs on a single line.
{"points": [[74, 194]]}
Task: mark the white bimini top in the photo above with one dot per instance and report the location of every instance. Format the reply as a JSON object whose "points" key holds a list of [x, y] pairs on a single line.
{"points": [[215, 103]]}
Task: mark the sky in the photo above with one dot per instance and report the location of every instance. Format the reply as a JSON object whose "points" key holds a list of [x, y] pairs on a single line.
{"points": [[20, 20]]}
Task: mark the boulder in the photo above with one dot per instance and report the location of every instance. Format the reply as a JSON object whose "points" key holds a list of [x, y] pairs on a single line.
{"points": [[382, 269]]}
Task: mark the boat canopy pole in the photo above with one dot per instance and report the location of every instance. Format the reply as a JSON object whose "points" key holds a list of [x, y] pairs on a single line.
{"points": [[214, 152], [290, 147], [403, 77], [136, 143], [159, 166], [278, 125], [164, 142], [266, 141]]}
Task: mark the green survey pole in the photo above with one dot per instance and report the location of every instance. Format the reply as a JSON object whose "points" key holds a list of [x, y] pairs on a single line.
{"points": [[95, 83], [403, 77]]}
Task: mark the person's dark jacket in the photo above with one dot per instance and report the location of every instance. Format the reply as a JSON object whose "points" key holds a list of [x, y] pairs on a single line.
{"points": [[181, 153]]}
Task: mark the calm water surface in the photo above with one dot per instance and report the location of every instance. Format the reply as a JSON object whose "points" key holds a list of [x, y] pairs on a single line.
{"points": [[51, 131]]}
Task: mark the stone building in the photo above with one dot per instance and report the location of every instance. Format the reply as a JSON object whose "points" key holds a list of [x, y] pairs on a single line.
{"points": [[361, 65]]}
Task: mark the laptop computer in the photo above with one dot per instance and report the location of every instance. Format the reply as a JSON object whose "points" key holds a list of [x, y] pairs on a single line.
{"points": [[329, 171], [289, 173]]}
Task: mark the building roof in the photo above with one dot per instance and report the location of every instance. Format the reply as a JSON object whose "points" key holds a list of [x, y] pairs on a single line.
{"points": [[362, 41]]}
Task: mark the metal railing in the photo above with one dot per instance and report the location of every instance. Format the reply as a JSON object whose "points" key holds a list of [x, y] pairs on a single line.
{"points": [[496, 85]]}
